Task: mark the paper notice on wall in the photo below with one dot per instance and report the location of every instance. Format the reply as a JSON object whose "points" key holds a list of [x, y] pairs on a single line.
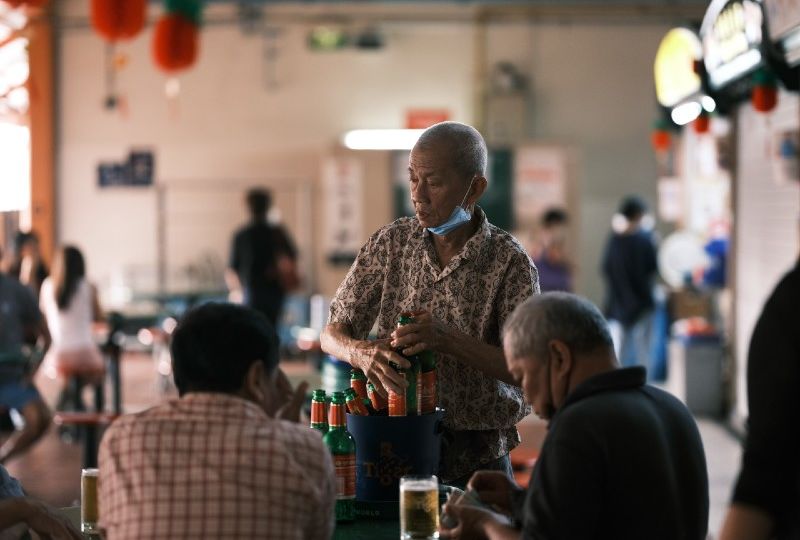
{"points": [[342, 181], [540, 181], [670, 199]]}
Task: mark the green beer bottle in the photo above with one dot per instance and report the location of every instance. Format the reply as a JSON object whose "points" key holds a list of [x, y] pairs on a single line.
{"points": [[319, 416], [410, 373], [343, 449]]}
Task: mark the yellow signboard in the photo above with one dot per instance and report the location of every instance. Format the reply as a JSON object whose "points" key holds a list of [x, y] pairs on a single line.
{"points": [[674, 71]]}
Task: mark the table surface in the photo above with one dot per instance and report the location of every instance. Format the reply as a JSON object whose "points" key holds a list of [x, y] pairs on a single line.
{"points": [[362, 529]]}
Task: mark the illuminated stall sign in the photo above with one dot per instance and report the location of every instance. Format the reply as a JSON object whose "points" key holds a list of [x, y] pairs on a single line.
{"points": [[675, 76], [732, 38], [783, 20]]}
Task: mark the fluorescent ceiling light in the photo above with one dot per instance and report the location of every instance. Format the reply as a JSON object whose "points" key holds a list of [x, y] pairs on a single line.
{"points": [[708, 103], [381, 139], [686, 112]]}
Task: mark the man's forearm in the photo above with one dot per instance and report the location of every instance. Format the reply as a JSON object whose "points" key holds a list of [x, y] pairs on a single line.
{"points": [[337, 340], [13, 511], [497, 531], [481, 356]]}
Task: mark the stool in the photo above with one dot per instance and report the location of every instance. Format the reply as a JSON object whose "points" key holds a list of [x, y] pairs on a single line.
{"points": [[87, 424]]}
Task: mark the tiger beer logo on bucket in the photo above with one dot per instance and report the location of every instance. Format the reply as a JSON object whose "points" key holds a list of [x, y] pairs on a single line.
{"points": [[389, 468]]}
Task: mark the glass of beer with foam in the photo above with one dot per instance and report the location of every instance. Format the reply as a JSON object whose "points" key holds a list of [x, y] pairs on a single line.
{"points": [[419, 507]]}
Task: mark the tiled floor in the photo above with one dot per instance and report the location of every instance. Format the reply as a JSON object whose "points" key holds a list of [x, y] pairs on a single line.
{"points": [[51, 470]]}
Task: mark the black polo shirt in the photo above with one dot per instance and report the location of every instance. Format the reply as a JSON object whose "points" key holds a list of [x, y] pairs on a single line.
{"points": [[622, 460]]}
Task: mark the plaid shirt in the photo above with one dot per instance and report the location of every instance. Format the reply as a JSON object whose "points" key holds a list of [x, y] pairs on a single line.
{"points": [[397, 270], [214, 466]]}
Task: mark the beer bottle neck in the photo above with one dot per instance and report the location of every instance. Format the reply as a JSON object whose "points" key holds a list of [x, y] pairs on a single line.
{"points": [[336, 416], [318, 412]]}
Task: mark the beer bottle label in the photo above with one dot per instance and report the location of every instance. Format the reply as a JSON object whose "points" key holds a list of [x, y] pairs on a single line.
{"points": [[318, 415], [426, 391], [345, 465], [360, 386]]}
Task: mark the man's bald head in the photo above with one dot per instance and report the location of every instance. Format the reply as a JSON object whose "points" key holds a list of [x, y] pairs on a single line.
{"points": [[464, 143], [566, 317]]}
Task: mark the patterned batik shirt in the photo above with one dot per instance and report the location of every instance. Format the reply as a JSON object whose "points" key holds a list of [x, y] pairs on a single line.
{"points": [[397, 270], [214, 466]]}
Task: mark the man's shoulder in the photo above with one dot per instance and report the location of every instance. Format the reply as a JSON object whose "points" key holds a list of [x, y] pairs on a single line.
{"points": [[400, 229], [503, 241]]}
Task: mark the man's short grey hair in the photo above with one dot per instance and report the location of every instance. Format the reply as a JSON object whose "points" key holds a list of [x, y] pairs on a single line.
{"points": [[556, 315], [468, 147]]}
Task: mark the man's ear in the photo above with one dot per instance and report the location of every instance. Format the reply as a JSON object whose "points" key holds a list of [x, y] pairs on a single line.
{"points": [[253, 386], [560, 356], [478, 187]]}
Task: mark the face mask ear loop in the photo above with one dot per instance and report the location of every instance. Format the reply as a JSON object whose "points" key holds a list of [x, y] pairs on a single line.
{"points": [[467, 194]]}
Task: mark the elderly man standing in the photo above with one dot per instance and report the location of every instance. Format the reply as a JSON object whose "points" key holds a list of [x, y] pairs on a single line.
{"points": [[621, 459], [462, 277]]}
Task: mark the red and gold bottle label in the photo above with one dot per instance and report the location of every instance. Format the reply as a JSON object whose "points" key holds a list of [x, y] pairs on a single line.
{"points": [[360, 386], [378, 401], [318, 415], [336, 417], [356, 406], [345, 465], [397, 404]]}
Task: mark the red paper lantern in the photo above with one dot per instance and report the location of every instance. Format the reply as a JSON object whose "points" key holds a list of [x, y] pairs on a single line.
{"points": [[764, 97], [175, 43], [28, 3], [118, 19], [701, 124], [661, 140]]}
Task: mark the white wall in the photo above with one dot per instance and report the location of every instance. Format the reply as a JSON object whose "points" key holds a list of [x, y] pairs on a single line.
{"points": [[767, 233], [592, 90]]}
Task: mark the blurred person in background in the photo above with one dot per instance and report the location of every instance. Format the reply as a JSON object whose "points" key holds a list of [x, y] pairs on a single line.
{"points": [[766, 498], [629, 269], [28, 266], [263, 260], [70, 304], [24, 338], [550, 255]]}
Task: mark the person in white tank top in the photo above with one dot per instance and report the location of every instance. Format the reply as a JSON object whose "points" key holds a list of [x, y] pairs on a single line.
{"points": [[70, 305]]}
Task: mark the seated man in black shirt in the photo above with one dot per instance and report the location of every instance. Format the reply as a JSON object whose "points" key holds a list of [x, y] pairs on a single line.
{"points": [[621, 460]]}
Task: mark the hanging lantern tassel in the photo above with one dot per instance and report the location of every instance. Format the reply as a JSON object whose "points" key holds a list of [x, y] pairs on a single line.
{"points": [[764, 96], [701, 124]]}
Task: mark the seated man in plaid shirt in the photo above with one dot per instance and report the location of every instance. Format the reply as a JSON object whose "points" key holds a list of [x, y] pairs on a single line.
{"points": [[219, 462]]}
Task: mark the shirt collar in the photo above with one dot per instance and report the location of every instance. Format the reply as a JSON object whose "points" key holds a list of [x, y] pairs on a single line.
{"points": [[224, 405], [615, 379], [474, 246]]}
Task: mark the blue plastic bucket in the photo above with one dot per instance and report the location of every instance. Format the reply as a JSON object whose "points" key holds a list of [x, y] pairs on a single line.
{"points": [[390, 447]]}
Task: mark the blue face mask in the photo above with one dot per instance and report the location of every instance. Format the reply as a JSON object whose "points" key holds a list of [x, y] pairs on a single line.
{"points": [[458, 217]]}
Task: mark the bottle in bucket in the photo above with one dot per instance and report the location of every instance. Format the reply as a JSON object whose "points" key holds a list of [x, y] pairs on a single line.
{"points": [[410, 373], [426, 383], [398, 406], [378, 401], [358, 382], [342, 447], [354, 403], [319, 412]]}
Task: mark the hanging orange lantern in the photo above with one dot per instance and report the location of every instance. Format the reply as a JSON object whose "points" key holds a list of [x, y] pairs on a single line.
{"points": [[702, 123], [28, 3], [118, 19], [764, 98], [764, 95], [175, 42], [660, 138]]}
